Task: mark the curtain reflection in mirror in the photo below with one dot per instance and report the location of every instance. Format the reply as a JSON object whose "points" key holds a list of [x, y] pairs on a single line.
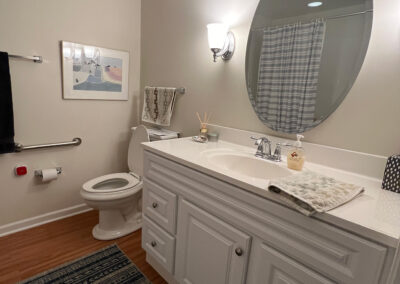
{"points": [[288, 75]]}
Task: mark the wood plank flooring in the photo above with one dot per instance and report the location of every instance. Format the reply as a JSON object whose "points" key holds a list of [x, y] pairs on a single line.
{"points": [[27, 253]]}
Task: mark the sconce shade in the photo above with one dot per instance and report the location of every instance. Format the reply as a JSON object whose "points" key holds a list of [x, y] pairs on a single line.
{"points": [[221, 41], [217, 35]]}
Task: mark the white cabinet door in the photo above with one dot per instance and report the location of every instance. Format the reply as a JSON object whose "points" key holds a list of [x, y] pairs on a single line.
{"points": [[272, 267], [208, 249]]}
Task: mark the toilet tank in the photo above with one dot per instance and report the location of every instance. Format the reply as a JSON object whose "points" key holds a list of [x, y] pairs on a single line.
{"points": [[135, 150]]}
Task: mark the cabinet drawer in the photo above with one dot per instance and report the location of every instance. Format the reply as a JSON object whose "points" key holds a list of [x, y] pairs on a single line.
{"points": [[272, 267], [159, 244], [160, 205]]}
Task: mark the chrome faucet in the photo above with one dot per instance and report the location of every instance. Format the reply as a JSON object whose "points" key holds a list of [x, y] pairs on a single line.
{"points": [[262, 143], [264, 149]]}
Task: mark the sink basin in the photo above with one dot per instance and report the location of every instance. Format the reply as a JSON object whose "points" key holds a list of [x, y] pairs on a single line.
{"points": [[247, 165]]}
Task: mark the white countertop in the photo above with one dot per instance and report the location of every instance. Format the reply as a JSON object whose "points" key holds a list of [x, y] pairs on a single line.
{"points": [[375, 214]]}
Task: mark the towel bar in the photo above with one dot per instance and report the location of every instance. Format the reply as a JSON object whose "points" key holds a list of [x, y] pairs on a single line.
{"points": [[36, 59], [181, 90], [75, 142]]}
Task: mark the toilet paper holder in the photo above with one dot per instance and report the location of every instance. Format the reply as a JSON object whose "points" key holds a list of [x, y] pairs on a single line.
{"points": [[39, 173]]}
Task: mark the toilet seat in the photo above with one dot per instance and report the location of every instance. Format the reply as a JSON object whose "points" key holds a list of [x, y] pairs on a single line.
{"points": [[111, 183]]}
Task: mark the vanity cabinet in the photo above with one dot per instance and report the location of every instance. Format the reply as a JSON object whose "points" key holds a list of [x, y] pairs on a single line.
{"points": [[198, 229]]}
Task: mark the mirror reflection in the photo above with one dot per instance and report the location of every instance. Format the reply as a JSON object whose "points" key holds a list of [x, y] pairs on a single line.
{"points": [[303, 57]]}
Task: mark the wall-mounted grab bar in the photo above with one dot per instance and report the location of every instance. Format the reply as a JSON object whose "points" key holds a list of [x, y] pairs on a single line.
{"points": [[36, 59], [75, 142]]}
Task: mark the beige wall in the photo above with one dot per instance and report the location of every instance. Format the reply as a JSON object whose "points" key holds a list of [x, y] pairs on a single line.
{"points": [[175, 53], [41, 115]]}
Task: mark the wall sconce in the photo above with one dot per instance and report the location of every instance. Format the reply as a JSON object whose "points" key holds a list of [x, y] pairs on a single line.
{"points": [[221, 41]]}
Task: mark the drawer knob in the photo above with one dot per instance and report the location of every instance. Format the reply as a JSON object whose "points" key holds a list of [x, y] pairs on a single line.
{"points": [[155, 205], [238, 251], [153, 244]]}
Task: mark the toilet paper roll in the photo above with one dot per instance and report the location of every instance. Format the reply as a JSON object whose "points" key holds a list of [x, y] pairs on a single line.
{"points": [[49, 174]]}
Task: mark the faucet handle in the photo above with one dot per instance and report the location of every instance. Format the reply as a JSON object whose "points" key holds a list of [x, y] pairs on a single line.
{"points": [[277, 149], [259, 140], [277, 153]]}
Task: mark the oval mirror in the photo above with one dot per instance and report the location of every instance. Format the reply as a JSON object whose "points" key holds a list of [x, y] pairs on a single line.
{"points": [[303, 57]]}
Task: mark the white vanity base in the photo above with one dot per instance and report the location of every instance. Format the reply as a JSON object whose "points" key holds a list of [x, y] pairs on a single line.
{"points": [[199, 229]]}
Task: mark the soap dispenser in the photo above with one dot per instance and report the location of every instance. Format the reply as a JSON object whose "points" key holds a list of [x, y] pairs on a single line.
{"points": [[295, 156]]}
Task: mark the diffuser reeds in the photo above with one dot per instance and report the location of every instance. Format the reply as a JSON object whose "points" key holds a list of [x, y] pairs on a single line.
{"points": [[205, 120]]}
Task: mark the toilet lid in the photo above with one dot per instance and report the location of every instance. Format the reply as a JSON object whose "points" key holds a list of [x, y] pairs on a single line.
{"points": [[135, 151]]}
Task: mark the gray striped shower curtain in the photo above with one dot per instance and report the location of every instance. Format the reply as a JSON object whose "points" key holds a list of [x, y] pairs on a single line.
{"points": [[288, 76]]}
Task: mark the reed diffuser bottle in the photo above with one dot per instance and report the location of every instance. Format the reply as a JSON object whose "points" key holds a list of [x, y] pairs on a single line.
{"points": [[203, 124]]}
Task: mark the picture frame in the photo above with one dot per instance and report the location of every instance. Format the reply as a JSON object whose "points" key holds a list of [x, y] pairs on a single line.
{"points": [[94, 73]]}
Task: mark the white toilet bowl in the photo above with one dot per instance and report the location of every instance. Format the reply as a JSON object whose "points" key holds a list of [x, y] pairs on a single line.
{"points": [[118, 196]]}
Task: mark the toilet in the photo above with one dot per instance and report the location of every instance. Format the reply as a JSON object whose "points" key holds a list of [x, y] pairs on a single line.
{"points": [[118, 196]]}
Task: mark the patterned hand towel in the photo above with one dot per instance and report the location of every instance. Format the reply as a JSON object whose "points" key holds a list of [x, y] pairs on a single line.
{"points": [[158, 105], [309, 192]]}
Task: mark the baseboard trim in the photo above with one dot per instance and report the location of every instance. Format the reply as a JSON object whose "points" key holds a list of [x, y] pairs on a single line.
{"points": [[42, 219]]}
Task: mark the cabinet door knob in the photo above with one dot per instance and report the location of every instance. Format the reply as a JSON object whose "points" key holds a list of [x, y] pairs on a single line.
{"points": [[155, 204], [153, 244], [238, 251]]}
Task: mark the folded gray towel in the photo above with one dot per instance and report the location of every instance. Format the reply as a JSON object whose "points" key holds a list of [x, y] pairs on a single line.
{"points": [[310, 192]]}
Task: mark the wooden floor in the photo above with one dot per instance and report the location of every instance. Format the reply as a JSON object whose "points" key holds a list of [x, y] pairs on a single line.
{"points": [[30, 252]]}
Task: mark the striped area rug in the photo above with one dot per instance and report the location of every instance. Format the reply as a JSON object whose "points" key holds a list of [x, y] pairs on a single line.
{"points": [[106, 266]]}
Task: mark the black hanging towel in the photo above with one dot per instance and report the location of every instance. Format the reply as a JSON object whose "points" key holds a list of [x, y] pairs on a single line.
{"points": [[7, 144], [391, 178]]}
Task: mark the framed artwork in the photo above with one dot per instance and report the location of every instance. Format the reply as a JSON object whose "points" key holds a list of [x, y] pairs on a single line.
{"points": [[94, 73]]}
